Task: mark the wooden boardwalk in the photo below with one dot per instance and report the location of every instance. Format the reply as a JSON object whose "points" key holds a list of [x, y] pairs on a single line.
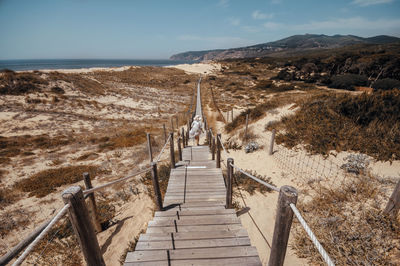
{"points": [[195, 228]]}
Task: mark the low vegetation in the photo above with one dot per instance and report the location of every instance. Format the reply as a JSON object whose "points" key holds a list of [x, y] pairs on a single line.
{"points": [[46, 182], [163, 172], [241, 181], [349, 223], [367, 123], [13, 83]]}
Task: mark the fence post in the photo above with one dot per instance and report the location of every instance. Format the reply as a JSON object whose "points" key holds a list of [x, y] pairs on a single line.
{"points": [[92, 203], [229, 180], [83, 228], [247, 125], [283, 222], [183, 138], [187, 134], [165, 134], [156, 186], [393, 205], [213, 149], [179, 148], [232, 115], [149, 147], [171, 149], [271, 144], [218, 151], [172, 124], [176, 119]]}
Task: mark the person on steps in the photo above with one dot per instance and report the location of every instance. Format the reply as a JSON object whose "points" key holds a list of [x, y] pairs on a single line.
{"points": [[197, 129]]}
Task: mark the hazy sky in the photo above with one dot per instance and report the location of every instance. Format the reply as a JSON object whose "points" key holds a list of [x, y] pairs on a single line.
{"points": [[151, 29]]}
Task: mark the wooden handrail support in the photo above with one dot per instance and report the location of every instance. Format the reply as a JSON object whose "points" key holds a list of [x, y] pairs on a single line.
{"points": [[393, 206], [271, 143], [156, 186], [187, 134], [180, 148], [149, 147], [92, 203], [171, 149], [83, 228], [229, 180], [213, 149], [165, 134], [218, 160], [183, 138], [283, 223], [209, 138]]}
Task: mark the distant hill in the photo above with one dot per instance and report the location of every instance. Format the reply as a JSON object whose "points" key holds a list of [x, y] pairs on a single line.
{"points": [[288, 46]]}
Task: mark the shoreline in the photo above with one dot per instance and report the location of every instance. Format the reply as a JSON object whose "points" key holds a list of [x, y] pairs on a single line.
{"points": [[196, 68]]}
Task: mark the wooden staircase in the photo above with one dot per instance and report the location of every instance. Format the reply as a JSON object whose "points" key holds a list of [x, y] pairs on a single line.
{"points": [[195, 228]]}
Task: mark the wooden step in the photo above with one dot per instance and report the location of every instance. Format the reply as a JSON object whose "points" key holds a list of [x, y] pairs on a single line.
{"points": [[204, 220], [193, 235], [248, 261], [198, 243], [183, 213], [191, 253], [193, 228]]}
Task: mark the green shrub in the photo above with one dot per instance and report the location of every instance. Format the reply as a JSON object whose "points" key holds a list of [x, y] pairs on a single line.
{"points": [[348, 81], [386, 84]]}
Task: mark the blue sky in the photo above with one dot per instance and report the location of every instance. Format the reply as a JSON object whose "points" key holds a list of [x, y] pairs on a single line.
{"points": [[150, 29]]}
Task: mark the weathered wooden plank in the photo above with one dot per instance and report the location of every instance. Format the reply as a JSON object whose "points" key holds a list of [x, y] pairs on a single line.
{"points": [[198, 243], [192, 217], [248, 261], [194, 212], [195, 208], [192, 228], [193, 253], [194, 235], [191, 222]]}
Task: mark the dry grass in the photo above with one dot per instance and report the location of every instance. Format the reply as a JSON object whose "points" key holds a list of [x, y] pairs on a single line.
{"points": [[14, 219], [46, 182], [366, 123], [241, 181], [24, 145], [350, 225], [163, 172], [13, 83]]}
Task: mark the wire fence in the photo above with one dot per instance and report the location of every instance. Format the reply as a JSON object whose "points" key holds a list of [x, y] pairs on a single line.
{"points": [[287, 162]]}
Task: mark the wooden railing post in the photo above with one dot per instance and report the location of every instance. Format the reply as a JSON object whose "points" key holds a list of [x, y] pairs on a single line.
{"points": [[183, 138], [180, 148], [232, 115], [213, 149], [393, 206], [271, 143], [165, 134], [171, 149], [172, 124], [156, 186], [177, 122], [92, 203], [229, 163], [83, 228], [247, 125], [187, 134], [283, 223], [218, 151], [149, 147]]}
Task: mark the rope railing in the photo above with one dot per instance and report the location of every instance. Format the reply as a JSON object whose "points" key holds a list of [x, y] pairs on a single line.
{"points": [[88, 191], [162, 150], [313, 238], [31, 246], [255, 178], [222, 145]]}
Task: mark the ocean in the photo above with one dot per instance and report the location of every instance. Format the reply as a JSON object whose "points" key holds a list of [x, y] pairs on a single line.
{"points": [[37, 64]]}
